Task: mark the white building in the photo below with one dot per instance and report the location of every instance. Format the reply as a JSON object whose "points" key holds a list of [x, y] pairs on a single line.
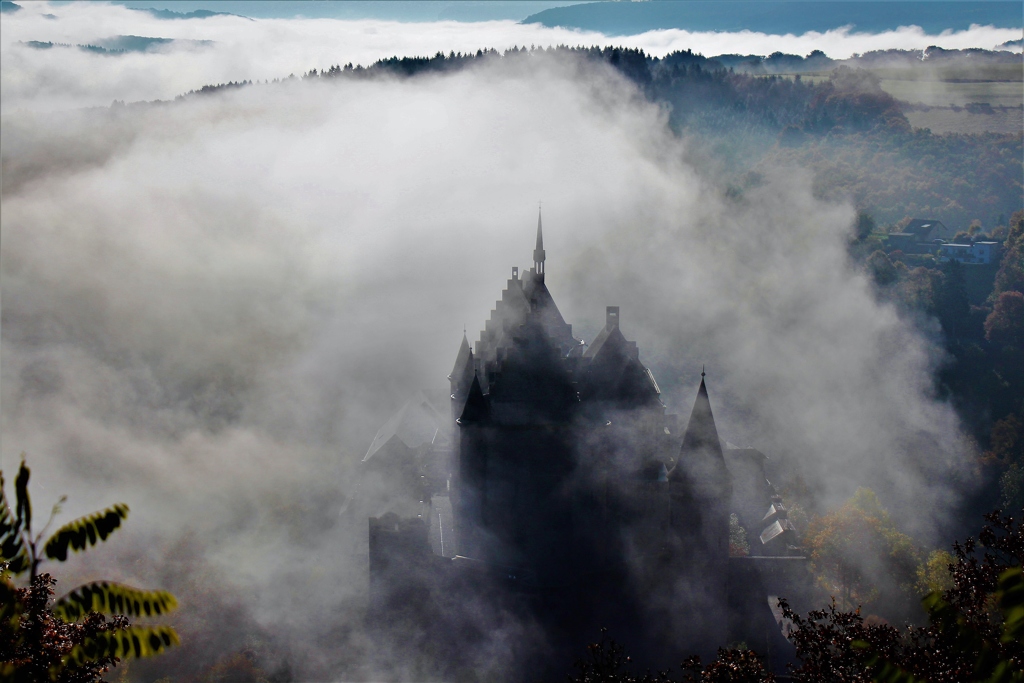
{"points": [[979, 252]]}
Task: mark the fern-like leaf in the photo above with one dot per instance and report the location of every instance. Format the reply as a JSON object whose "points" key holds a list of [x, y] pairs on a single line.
{"points": [[124, 643], [12, 548], [85, 531], [113, 598], [21, 496]]}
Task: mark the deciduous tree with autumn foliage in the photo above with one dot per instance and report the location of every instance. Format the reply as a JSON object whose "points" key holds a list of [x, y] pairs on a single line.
{"points": [[862, 559]]}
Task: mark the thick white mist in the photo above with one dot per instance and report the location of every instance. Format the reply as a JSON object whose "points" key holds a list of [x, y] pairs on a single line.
{"points": [[210, 305]]}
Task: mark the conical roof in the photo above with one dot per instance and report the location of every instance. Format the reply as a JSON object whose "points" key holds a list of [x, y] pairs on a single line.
{"points": [[463, 360], [701, 463], [701, 432], [477, 408]]}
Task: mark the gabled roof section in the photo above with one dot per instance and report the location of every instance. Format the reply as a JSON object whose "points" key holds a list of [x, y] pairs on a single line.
{"points": [[478, 407], [525, 313], [701, 432], [543, 307], [531, 382], [416, 423], [463, 360], [461, 377], [700, 456], [928, 229], [614, 371], [612, 339], [603, 338], [508, 313]]}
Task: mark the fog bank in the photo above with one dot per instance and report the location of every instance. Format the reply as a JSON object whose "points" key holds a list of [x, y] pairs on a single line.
{"points": [[211, 305], [220, 49]]}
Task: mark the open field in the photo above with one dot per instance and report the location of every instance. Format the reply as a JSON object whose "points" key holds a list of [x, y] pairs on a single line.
{"points": [[960, 120], [954, 99], [936, 93], [985, 99]]}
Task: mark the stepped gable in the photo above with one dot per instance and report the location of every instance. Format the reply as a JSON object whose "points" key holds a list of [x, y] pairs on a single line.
{"points": [[509, 312], [613, 371], [530, 383], [524, 299]]}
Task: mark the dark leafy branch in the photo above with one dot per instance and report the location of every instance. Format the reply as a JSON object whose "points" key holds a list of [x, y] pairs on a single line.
{"points": [[73, 641]]}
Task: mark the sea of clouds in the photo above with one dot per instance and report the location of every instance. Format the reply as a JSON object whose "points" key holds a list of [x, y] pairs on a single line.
{"points": [[264, 49]]}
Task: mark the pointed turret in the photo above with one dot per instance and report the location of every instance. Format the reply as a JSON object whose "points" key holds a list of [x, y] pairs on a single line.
{"points": [[701, 432], [700, 492], [465, 352], [461, 377], [701, 461], [477, 408], [538, 253]]}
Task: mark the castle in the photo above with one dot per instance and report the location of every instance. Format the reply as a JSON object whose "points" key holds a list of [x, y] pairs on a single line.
{"points": [[560, 485]]}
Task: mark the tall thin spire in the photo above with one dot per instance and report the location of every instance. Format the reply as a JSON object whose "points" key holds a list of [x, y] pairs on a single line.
{"points": [[538, 253], [701, 452]]}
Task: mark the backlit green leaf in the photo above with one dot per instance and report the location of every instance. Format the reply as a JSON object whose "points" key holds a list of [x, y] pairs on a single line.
{"points": [[133, 641], [12, 548], [114, 598], [85, 531], [24, 510]]}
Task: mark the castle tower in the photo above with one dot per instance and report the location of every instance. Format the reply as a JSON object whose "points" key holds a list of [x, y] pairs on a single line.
{"points": [[701, 468], [699, 492], [569, 491], [461, 377]]}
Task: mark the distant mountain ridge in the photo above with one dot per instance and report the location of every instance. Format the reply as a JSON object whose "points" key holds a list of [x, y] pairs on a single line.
{"points": [[119, 45], [195, 14], [779, 17]]}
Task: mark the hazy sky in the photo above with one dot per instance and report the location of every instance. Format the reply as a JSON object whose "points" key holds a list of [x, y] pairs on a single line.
{"points": [[210, 305]]}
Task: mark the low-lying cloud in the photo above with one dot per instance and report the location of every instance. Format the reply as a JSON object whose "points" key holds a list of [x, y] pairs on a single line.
{"points": [[264, 49], [210, 305]]}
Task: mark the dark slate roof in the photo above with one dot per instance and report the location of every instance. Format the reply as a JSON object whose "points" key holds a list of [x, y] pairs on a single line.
{"points": [[531, 381], [463, 360], [613, 371], [477, 406], [606, 335], [522, 300], [927, 229], [701, 432], [508, 312], [700, 456], [544, 307]]}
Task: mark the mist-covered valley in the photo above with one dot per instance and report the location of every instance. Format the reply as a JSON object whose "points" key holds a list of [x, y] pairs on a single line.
{"points": [[212, 302]]}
